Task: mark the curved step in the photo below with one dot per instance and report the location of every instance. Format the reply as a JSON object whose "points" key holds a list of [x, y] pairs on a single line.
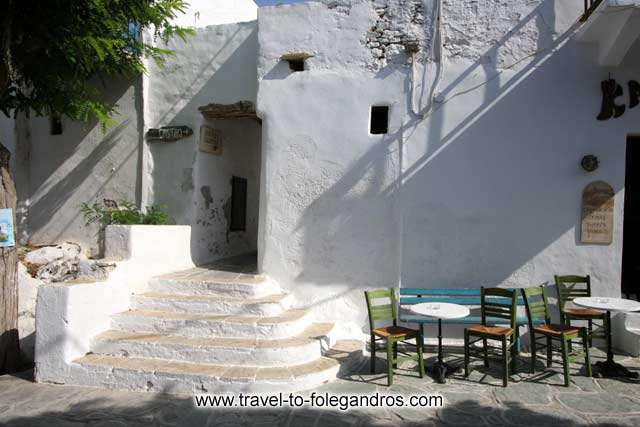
{"points": [[202, 281], [303, 348], [183, 377], [271, 305], [286, 324]]}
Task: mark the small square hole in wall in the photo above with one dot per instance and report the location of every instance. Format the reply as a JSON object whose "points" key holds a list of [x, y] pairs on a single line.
{"points": [[296, 65], [379, 120], [55, 125]]}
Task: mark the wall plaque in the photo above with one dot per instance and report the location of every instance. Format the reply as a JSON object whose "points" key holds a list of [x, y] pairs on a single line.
{"points": [[211, 140], [7, 235], [168, 133], [597, 213]]}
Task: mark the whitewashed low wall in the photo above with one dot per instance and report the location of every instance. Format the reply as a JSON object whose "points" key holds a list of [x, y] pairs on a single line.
{"points": [[68, 315]]}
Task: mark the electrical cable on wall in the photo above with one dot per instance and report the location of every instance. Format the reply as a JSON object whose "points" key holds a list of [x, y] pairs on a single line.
{"points": [[439, 59]]}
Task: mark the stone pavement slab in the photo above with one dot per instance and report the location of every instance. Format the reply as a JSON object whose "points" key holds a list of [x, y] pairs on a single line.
{"points": [[530, 400]]}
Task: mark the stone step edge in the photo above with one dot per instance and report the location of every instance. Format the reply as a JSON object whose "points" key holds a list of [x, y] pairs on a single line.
{"points": [[316, 332], [292, 315], [342, 352], [269, 299]]}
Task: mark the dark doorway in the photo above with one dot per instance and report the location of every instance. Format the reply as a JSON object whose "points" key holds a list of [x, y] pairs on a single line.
{"points": [[631, 233]]}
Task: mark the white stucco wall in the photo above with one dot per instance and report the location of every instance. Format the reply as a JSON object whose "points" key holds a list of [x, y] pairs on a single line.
{"points": [[217, 65], [202, 13], [484, 190], [84, 164], [69, 315], [7, 136]]}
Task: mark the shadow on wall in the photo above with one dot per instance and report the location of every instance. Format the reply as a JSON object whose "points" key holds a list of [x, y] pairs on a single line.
{"points": [[479, 200], [81, 165], [199, 75]]}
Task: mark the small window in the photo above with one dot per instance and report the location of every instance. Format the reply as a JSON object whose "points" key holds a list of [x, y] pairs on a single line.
{"points": [[55, 125], [296, 60], [379, 120], [238, 204]]}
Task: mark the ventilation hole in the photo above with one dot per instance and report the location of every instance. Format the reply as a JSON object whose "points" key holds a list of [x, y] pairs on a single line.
{"points": [[296, 65], [379, 120]]}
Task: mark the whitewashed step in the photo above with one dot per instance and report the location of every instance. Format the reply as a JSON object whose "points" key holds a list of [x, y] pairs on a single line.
{"points": [[183, 377], [271, 305], [286, 324], [203, 281], [300, 349]]}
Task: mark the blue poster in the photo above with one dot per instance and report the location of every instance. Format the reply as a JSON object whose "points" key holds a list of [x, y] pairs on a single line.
{"points": [[7, 237]]}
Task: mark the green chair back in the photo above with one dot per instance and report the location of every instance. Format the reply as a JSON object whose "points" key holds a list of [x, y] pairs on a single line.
{"points": [[387, 311], [535, 302], [500, 303], [571, 287]]}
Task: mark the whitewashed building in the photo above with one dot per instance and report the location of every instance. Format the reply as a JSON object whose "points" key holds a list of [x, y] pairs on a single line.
{"points": [[419, 143]]}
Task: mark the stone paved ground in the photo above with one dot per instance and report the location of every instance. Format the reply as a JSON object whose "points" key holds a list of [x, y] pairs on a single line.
{"points": [[537, 400]]}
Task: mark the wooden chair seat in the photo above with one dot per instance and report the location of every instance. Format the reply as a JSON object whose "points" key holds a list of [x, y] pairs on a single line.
{"points": [[395, 332], [496, 331], [556, 330], [583, 312]]}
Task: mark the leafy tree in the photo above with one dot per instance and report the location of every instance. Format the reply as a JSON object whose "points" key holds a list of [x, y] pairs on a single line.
{"points": [[53, 54]]}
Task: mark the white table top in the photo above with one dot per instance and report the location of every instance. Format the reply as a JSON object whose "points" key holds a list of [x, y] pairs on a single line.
{"points": [[440, 310], [608, 304]]}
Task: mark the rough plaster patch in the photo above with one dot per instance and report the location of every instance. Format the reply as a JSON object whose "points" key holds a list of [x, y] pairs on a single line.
{"points": [[187, 179], [205, 190]]}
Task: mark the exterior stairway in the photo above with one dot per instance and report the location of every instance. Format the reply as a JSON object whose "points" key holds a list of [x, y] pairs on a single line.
{"points": [[205, 330]]}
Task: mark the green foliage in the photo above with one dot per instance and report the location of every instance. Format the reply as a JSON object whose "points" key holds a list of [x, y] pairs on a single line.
{"points": [[122, 213], [56, 55]]}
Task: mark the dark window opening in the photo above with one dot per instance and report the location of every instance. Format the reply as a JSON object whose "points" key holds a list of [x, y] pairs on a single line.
{"points": [[55, 125], [379, 120], [296, 64], [238, 204]]}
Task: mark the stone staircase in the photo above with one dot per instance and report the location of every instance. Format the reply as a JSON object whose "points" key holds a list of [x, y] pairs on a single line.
{"points": [[206, 330]]}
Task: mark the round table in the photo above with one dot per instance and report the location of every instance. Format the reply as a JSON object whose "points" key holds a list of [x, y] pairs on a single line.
{"points": [[610, 368], [440, 311]]}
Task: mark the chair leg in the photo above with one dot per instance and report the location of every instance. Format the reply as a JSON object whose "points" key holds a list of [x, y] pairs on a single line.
{"points": [[590, 334], [420, 342], [569, 344], [466, 353], [486, 354], [586, 344], [549, 352], [373, 354], [607, 330], [505, 363], [514, 353], [533, 352], [566, 342], [390, 362], [395, 354]]}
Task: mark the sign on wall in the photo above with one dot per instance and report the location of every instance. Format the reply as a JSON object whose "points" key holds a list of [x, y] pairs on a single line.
{"points": [[597, 213], [168, 133], [7, 235], [210, 140], [611, 91]]}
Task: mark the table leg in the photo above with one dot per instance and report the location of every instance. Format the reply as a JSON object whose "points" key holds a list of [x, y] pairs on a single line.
{"points": [[440, 340], [440, 370], [611, 369]]}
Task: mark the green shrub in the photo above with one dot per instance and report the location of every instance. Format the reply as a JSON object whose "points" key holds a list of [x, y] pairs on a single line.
{"points": [[122, 213]]}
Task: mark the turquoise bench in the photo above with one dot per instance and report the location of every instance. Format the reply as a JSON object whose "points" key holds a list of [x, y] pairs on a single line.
{"points": [[462, 296]]}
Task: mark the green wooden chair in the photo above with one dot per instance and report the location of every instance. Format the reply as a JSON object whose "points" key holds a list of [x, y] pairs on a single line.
{"points": [[570, 287], [392, 334], [500, 303], [535, 300]]}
